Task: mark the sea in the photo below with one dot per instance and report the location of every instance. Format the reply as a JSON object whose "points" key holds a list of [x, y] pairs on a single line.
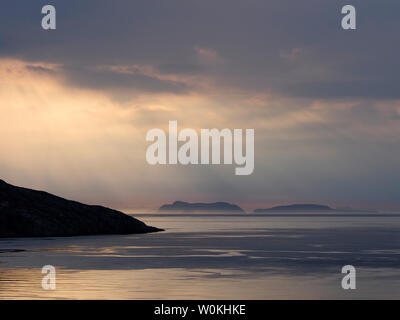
{"points": [[214, 256]]}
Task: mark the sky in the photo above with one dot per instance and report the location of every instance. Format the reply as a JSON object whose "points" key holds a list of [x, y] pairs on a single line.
{"points": [[76, 102]]}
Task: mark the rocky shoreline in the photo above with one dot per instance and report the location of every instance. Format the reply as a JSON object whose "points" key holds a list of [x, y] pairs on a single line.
{"points": [[30, 213]]}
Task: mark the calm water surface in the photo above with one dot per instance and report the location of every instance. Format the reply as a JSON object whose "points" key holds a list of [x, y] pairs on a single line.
{"points": [[214, 257]]}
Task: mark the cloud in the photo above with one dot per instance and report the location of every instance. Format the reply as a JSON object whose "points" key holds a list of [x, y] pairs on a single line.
{"points": [[77, 102], [291, 54], [79, 143], [116, 81], [291, 48], [207, 55]]}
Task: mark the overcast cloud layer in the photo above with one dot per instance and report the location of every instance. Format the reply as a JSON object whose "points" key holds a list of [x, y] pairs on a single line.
{"points": [[77, 102]]}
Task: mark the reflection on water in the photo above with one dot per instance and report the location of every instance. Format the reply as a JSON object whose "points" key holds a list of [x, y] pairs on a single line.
{"points": [[213, 257], [187, 284]]}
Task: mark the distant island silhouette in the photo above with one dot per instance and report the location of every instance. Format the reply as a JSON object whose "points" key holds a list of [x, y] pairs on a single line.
{"points": [[30, 213], [181, 206], [297, 207], [312, 208]]}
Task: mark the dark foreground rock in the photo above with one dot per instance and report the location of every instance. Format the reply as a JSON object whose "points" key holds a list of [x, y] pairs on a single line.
{"points": [[181, 206], [30, 213]]}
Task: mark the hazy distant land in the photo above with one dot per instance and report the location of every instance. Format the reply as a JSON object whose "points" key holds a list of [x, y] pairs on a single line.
{"points": [[30, 213], [225, 207], [297, 207], [181, 206], [309, 208]]}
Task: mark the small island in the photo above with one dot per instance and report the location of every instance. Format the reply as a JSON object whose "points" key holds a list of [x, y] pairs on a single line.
{"points": [[30, 213], [181, 206], [296, 208]]}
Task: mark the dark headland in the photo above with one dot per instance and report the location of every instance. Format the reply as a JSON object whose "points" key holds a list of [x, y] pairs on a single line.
{"points": [[296, 207], [30, 213], [181, 206]]}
